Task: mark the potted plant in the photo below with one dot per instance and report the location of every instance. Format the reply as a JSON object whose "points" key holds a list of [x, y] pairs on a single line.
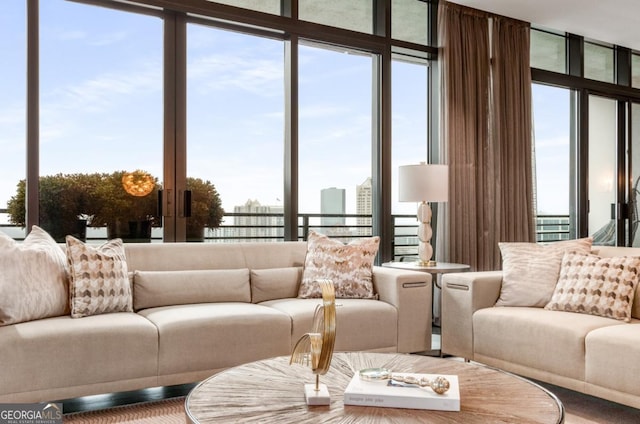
{"points": [[65, 202], [126, 203], [206, 208]]}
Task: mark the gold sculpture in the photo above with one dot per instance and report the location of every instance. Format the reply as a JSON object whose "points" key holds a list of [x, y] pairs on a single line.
{"points": [[315, 349]]}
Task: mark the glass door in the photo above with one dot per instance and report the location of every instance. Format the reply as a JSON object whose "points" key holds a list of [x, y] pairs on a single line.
{"points": [[613, 171], [335, 140], [603, 142], [235, 131], [101, 123], [634, 179], [555, 157]]}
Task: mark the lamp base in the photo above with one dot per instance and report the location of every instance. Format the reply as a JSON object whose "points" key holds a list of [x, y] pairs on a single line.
{"points": [[427, 263]]}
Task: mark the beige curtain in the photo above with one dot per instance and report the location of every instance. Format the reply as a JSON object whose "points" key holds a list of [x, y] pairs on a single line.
{"points": [[485, 134], [512, 125]]}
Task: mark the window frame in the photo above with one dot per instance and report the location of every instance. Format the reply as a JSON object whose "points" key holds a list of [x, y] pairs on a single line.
{"points": [[287, 26]]}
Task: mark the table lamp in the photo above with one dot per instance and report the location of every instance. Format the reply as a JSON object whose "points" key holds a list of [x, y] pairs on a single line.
{"points": [[424, 183]]}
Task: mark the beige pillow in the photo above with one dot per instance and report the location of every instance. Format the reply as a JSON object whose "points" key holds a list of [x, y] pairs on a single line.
{"points": [[33, 278], [531, 270], [350, 266], [99, 279], [162, 288], [275, 283], [593, 285]]}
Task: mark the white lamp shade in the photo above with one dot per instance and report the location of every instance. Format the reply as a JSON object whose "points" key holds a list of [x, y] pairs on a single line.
{"points": [[423, 183]]}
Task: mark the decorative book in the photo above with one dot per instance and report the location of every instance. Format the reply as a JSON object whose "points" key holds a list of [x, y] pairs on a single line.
{"points": [[390, 393]]}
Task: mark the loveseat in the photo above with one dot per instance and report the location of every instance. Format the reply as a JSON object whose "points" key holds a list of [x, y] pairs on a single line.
{"points": [[592, 354], [199, 308]]}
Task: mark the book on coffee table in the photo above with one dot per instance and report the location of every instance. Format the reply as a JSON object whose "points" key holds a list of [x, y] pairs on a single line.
{"points": [[393, 394]]}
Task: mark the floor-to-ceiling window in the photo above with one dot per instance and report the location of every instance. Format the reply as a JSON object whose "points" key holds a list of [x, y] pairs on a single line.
{"points": [[264, 107], [12, 112], [554, 162], [100, 118], [634, 178], [586, 90], [335, 138], [235, 132], [410, 132], [602, 178]]}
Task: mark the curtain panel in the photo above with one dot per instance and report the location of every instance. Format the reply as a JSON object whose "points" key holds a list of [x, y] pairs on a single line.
{"points": [[485, 134]]}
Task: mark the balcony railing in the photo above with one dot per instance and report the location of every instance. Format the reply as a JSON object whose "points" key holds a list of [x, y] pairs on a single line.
{"points": [[552, 228], [245, 227]]}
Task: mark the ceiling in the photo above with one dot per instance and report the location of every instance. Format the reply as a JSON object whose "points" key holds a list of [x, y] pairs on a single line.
{"points": [[616, 22]]}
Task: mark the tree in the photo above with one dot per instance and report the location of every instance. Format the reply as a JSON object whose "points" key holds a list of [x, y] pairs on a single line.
{"points": [[70, 202], [126, 216], [206, 208], [65, 204]]}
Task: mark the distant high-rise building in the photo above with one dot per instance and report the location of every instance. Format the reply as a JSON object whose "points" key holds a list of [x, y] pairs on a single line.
{"points": [[363, 206], [332, 202], [268, 223]]}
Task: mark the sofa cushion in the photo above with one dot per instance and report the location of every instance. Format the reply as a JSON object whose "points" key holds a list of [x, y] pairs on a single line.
{"points": [[531, 270], [350, 266], [274, 283], [162, 288], [63, 352], [360, 324], [33, 278], [211, 336], [262, 255], [534, 337], [612, 357], [184, 256], [99, 278], [599, 286]]}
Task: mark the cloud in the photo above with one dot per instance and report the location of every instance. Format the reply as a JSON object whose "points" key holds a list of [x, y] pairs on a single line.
{"points": [[220, 72], [108, 39], [13, 115], [69, 35], [552, 142], [91, 39], [103, 91], [81, 108], [321, 111]]}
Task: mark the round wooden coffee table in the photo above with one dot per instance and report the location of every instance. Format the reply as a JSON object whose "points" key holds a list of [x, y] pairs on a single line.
{"points": [[271, 391]]}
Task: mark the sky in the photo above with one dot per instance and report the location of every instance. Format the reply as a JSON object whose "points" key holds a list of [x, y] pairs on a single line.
{"points": [[101, 95], [551, 115]]}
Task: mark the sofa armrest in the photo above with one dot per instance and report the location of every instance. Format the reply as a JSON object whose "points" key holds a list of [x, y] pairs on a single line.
{"points": [[462, 295], [410, 292]]}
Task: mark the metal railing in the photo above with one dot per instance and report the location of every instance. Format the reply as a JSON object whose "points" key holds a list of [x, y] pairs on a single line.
{"points": [[245, 227], [552, 228]]}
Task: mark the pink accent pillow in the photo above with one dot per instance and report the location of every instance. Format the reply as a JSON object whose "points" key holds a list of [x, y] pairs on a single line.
{"points": [[349, 266]]}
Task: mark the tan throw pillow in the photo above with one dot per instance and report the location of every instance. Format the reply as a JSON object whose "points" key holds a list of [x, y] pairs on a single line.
{"points": [[349, 266], [531, 270], [99, 279], [593, 285], [163, 288], [33, 278]]}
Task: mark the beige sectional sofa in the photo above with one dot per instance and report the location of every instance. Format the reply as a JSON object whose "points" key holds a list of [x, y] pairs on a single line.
{"points": [[591, 354], [198, 309]]}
